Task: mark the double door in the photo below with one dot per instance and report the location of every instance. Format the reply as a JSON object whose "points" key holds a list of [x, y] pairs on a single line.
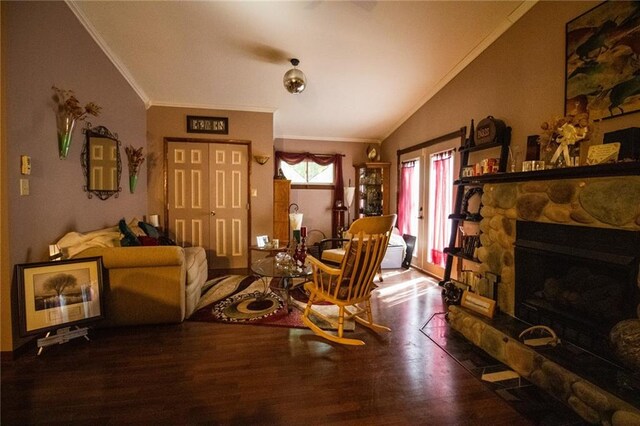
{"points": [[429, 200], [208, 199]]}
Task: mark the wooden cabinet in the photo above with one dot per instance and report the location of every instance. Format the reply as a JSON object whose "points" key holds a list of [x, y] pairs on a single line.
{"points": [[372, 189], [281, 191]]}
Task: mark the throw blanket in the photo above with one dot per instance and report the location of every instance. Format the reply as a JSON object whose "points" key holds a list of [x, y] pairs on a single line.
{"points": [[75, 242]]}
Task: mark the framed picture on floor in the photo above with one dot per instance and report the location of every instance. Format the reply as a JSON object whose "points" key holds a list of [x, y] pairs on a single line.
{"points": [[602, 70], [53, 295]]}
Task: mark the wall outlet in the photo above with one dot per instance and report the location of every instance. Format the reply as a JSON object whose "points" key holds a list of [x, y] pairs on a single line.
{"points": [[24, 186]]}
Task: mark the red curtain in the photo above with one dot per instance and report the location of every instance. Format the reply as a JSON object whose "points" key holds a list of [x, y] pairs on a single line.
{"points": [[323, 160], [405, 200], [441, 170]]}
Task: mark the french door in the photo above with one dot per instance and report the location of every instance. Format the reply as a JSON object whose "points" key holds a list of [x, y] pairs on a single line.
{"points": [[208, 199], [424, 213]]}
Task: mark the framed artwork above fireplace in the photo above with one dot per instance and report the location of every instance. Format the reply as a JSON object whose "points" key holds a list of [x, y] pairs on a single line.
{"points": [[602, 70]]}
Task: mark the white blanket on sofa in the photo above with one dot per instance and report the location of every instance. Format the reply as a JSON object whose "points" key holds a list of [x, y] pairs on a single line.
{"points": [[75, 242]]}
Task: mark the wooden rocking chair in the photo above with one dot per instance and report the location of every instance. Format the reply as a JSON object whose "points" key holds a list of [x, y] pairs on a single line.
{"points": [[352, 282]]}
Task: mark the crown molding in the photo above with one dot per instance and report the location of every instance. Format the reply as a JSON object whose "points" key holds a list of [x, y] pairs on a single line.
{"points": [[211, 106], [329, 139]]}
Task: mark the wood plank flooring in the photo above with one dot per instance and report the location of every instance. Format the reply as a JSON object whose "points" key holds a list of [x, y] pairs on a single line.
{"points": [[225, 374]]}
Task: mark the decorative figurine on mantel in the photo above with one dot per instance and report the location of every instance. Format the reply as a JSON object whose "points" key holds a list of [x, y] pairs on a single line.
{"points": [[560, 140]]}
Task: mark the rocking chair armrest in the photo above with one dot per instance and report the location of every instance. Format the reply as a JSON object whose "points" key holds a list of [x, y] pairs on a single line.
{"points": [[323, 266]]}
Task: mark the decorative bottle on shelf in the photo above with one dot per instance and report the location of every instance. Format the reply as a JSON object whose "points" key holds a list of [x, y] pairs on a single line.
{"points": [[471, 142], [302, 247]]}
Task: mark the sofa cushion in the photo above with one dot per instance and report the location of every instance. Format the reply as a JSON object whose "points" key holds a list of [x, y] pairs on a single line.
{"points": [[195, 259]]}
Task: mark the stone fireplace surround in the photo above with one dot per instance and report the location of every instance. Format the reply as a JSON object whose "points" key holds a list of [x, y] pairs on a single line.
{"points": [[605, 196]]}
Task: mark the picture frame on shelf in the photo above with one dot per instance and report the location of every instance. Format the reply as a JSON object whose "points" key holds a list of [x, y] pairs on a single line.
{"points": [[262, 241], [596, 74], [63, 293]]}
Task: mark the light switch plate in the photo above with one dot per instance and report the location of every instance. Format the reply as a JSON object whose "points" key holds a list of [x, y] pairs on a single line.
{"points": [[24, 186]]}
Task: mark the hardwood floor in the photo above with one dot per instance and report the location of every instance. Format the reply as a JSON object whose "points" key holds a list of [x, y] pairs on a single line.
{"points": [[244, 375]]}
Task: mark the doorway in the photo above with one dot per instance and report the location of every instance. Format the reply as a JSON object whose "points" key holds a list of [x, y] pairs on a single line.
{"points": [[207, 198], [426, 197]]}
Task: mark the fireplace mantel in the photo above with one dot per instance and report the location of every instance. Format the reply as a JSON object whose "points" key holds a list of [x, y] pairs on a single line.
{"points": [[631, 168]]}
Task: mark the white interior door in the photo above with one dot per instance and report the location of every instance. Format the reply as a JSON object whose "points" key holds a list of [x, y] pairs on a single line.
{"points": [[207, 200]]}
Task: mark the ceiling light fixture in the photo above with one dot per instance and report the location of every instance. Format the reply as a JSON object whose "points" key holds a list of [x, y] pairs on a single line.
{"points": [[294, 80]]}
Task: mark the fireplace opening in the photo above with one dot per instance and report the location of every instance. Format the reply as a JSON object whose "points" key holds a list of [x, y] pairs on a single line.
{"points": [[577, 280]]}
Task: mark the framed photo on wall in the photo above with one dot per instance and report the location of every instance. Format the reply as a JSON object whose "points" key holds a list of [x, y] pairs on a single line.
{"points": [[214, 125], [602, 70], [59, 294]]}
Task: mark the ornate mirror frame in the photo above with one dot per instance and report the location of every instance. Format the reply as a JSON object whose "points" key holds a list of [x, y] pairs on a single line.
{"points": [[86, 160]]}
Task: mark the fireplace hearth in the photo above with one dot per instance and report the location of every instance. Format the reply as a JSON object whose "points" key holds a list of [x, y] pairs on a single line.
{"points": [[580, 281]]}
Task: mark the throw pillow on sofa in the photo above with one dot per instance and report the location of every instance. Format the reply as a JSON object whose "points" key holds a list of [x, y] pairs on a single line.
{"points": [[149, 229], [129, 238]]}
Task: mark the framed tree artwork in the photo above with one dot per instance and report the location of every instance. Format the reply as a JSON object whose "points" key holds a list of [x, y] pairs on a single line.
{"points": [[603, 61], [53, 295]]}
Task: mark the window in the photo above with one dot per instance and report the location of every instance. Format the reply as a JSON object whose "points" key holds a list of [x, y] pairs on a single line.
{"points": [[308, 172]]}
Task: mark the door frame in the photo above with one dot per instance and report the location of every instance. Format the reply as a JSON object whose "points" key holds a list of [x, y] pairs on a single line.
{"points": [[165, 176], [419, 151]]}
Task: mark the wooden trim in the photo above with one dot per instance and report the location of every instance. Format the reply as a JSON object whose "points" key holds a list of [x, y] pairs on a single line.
{"points": [[307, 186], [458, 133]]}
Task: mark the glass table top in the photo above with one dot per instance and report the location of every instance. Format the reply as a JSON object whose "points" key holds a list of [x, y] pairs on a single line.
{"points": [[268, 267]]}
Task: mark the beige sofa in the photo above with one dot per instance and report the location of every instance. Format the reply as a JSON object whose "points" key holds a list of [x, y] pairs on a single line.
{"points": [[150, 285]]}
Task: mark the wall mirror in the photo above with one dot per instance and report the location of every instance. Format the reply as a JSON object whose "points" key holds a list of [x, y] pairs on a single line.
{"points": [[101, 163]]}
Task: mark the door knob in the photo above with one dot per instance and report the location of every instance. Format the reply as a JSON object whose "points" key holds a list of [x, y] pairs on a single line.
{"points": [[212, 213]]}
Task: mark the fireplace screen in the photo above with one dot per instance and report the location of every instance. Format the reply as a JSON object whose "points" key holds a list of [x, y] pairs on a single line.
{"points": [[579, 281]]}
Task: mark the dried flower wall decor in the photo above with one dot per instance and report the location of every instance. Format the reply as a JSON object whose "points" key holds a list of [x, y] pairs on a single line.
{"points": [[68, 111], [135, 159]]}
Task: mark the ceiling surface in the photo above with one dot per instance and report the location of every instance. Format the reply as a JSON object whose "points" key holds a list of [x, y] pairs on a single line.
{"points": [[369, 64]]}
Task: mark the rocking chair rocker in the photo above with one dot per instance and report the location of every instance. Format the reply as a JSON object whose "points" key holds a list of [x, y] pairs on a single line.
{"points": [[351, 283]]}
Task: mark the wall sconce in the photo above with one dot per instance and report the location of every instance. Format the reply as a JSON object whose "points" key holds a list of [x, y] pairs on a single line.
{"points": [[261, 159]]}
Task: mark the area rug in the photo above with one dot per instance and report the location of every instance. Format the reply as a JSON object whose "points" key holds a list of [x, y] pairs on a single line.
{"points": [[242, 299]]}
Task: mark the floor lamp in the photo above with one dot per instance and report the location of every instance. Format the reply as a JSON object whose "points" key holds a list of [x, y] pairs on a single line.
{"points": [[349, 191]]}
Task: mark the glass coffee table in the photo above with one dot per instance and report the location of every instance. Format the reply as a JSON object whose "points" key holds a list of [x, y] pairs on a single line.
{"points": [[268, 268]]}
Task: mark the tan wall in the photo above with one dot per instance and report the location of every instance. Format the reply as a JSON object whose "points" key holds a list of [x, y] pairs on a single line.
{"points": [[48, 46], [314, 204], [256, 127], [519, 78]]}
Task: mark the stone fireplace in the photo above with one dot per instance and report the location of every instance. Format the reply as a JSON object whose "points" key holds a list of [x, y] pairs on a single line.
{"points": [[566, 245]]}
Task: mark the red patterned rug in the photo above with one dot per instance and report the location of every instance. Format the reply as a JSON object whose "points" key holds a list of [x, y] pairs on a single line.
{"points": [[241, 299]]}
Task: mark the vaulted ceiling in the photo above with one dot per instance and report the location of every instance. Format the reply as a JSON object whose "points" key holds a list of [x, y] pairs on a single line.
{"points": [[369, 64]]}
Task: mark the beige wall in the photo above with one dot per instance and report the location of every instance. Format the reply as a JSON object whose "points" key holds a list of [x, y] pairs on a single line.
{"points": [[519, 78], [315, 204], [48, 46], [256, 127]]}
